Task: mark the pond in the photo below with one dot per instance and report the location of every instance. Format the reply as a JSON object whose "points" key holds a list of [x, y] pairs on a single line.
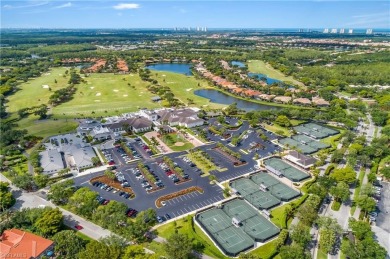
{"points": [[238, 63], [268, 80], [219, 97], [181, 68]]}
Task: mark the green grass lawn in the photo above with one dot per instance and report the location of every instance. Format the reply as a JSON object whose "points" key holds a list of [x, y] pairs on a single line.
{"points": [[183, 87], [279, 217], [266, 251], [32, 92], [332, 140], [203, 163], [296, 122], [321, 254], [275, 128], [184, 227], [172, 139], [357, 190], [336, 205], [156, 247], [107, 94], [259, 66], [45, 128]]}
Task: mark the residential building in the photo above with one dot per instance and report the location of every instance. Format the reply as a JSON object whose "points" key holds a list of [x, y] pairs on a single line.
{"points": [[16, 243], [266, 97], [302, 101], [320, 102], [282, 99]]}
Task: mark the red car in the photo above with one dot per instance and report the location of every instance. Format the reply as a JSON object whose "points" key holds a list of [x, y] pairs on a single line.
{"points": [[111, 163], [105, 202], [78, 227]]}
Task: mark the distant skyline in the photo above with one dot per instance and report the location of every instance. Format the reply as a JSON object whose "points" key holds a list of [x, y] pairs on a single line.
{"points": [[211, 14]]}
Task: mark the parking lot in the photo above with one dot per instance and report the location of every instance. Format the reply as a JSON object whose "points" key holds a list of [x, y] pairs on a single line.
{"points": [[145, 191], [383, 218]]}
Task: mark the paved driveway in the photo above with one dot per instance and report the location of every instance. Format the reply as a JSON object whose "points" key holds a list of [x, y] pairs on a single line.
{"points": [[382, 228]]}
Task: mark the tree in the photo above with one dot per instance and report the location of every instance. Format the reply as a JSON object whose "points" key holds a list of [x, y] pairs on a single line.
{"points": [[231, 109], [340, 192], [134, 251], [111, 215], [95, 161], [360, 229], [41, 180], [300, 234], [50, 222], [110, 175], [68, 244], [24, 181], [367, 189], [385, 171], [294, 251], [327, 239], [83, 202], [178, 246], [99, 250], [248, 256], [346, 174], [365, 203], [283, 121], [6, 198], [59, 193]]}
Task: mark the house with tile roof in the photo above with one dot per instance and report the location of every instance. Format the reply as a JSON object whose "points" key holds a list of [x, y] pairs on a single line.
{"points": [[16, 243], [282, 99], [302, 101], [320, 102]]}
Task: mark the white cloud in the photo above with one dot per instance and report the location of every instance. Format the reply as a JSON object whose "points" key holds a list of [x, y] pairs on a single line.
{"points": [[381, 19], [68, 4], [126, 6], [27, 5]]}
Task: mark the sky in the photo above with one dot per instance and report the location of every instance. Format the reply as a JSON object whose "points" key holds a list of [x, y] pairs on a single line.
{"points": [[184, 13]]}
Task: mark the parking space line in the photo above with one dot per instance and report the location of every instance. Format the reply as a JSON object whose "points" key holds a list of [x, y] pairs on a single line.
{"points": [[185, 197]]}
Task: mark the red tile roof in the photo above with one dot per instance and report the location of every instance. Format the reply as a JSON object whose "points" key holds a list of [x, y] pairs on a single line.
{"points": [[16, 242]]}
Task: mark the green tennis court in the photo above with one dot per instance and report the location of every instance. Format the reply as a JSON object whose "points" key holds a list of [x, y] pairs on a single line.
{"points": [[289, 171], [253, 224], [250, 191], [250, 226], [315, 130], [276, 188], [291, 143], [218, 225], [310, 142]]}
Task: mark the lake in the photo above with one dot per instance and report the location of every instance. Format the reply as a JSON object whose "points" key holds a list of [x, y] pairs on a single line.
{"points": [[238, 63], [268, 79], [181, 68], [219, 97]]}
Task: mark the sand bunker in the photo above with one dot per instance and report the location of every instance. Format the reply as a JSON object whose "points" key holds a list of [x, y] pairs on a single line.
{"points": [[125, 95], [116, 90], [179, 144], [45, 86], [97, 101], [47, 74], [189, 89], [92, 87], [163, 75], [98, 94]]}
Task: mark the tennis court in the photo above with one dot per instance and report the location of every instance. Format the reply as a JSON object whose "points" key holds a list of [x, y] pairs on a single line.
{"points": [[253, 224], [218, 225], [249, 190], [291, 143], [289, 171], [315, 130], [276, 188], [310, 142]]}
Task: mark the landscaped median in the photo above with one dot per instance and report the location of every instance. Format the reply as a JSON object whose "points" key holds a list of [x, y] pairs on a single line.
{"points": [[177, 194], [113, 183]]}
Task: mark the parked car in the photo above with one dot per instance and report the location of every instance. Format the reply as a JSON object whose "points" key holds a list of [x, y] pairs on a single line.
{"points": [[160, 219], [167, 216], [78, 227]]}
